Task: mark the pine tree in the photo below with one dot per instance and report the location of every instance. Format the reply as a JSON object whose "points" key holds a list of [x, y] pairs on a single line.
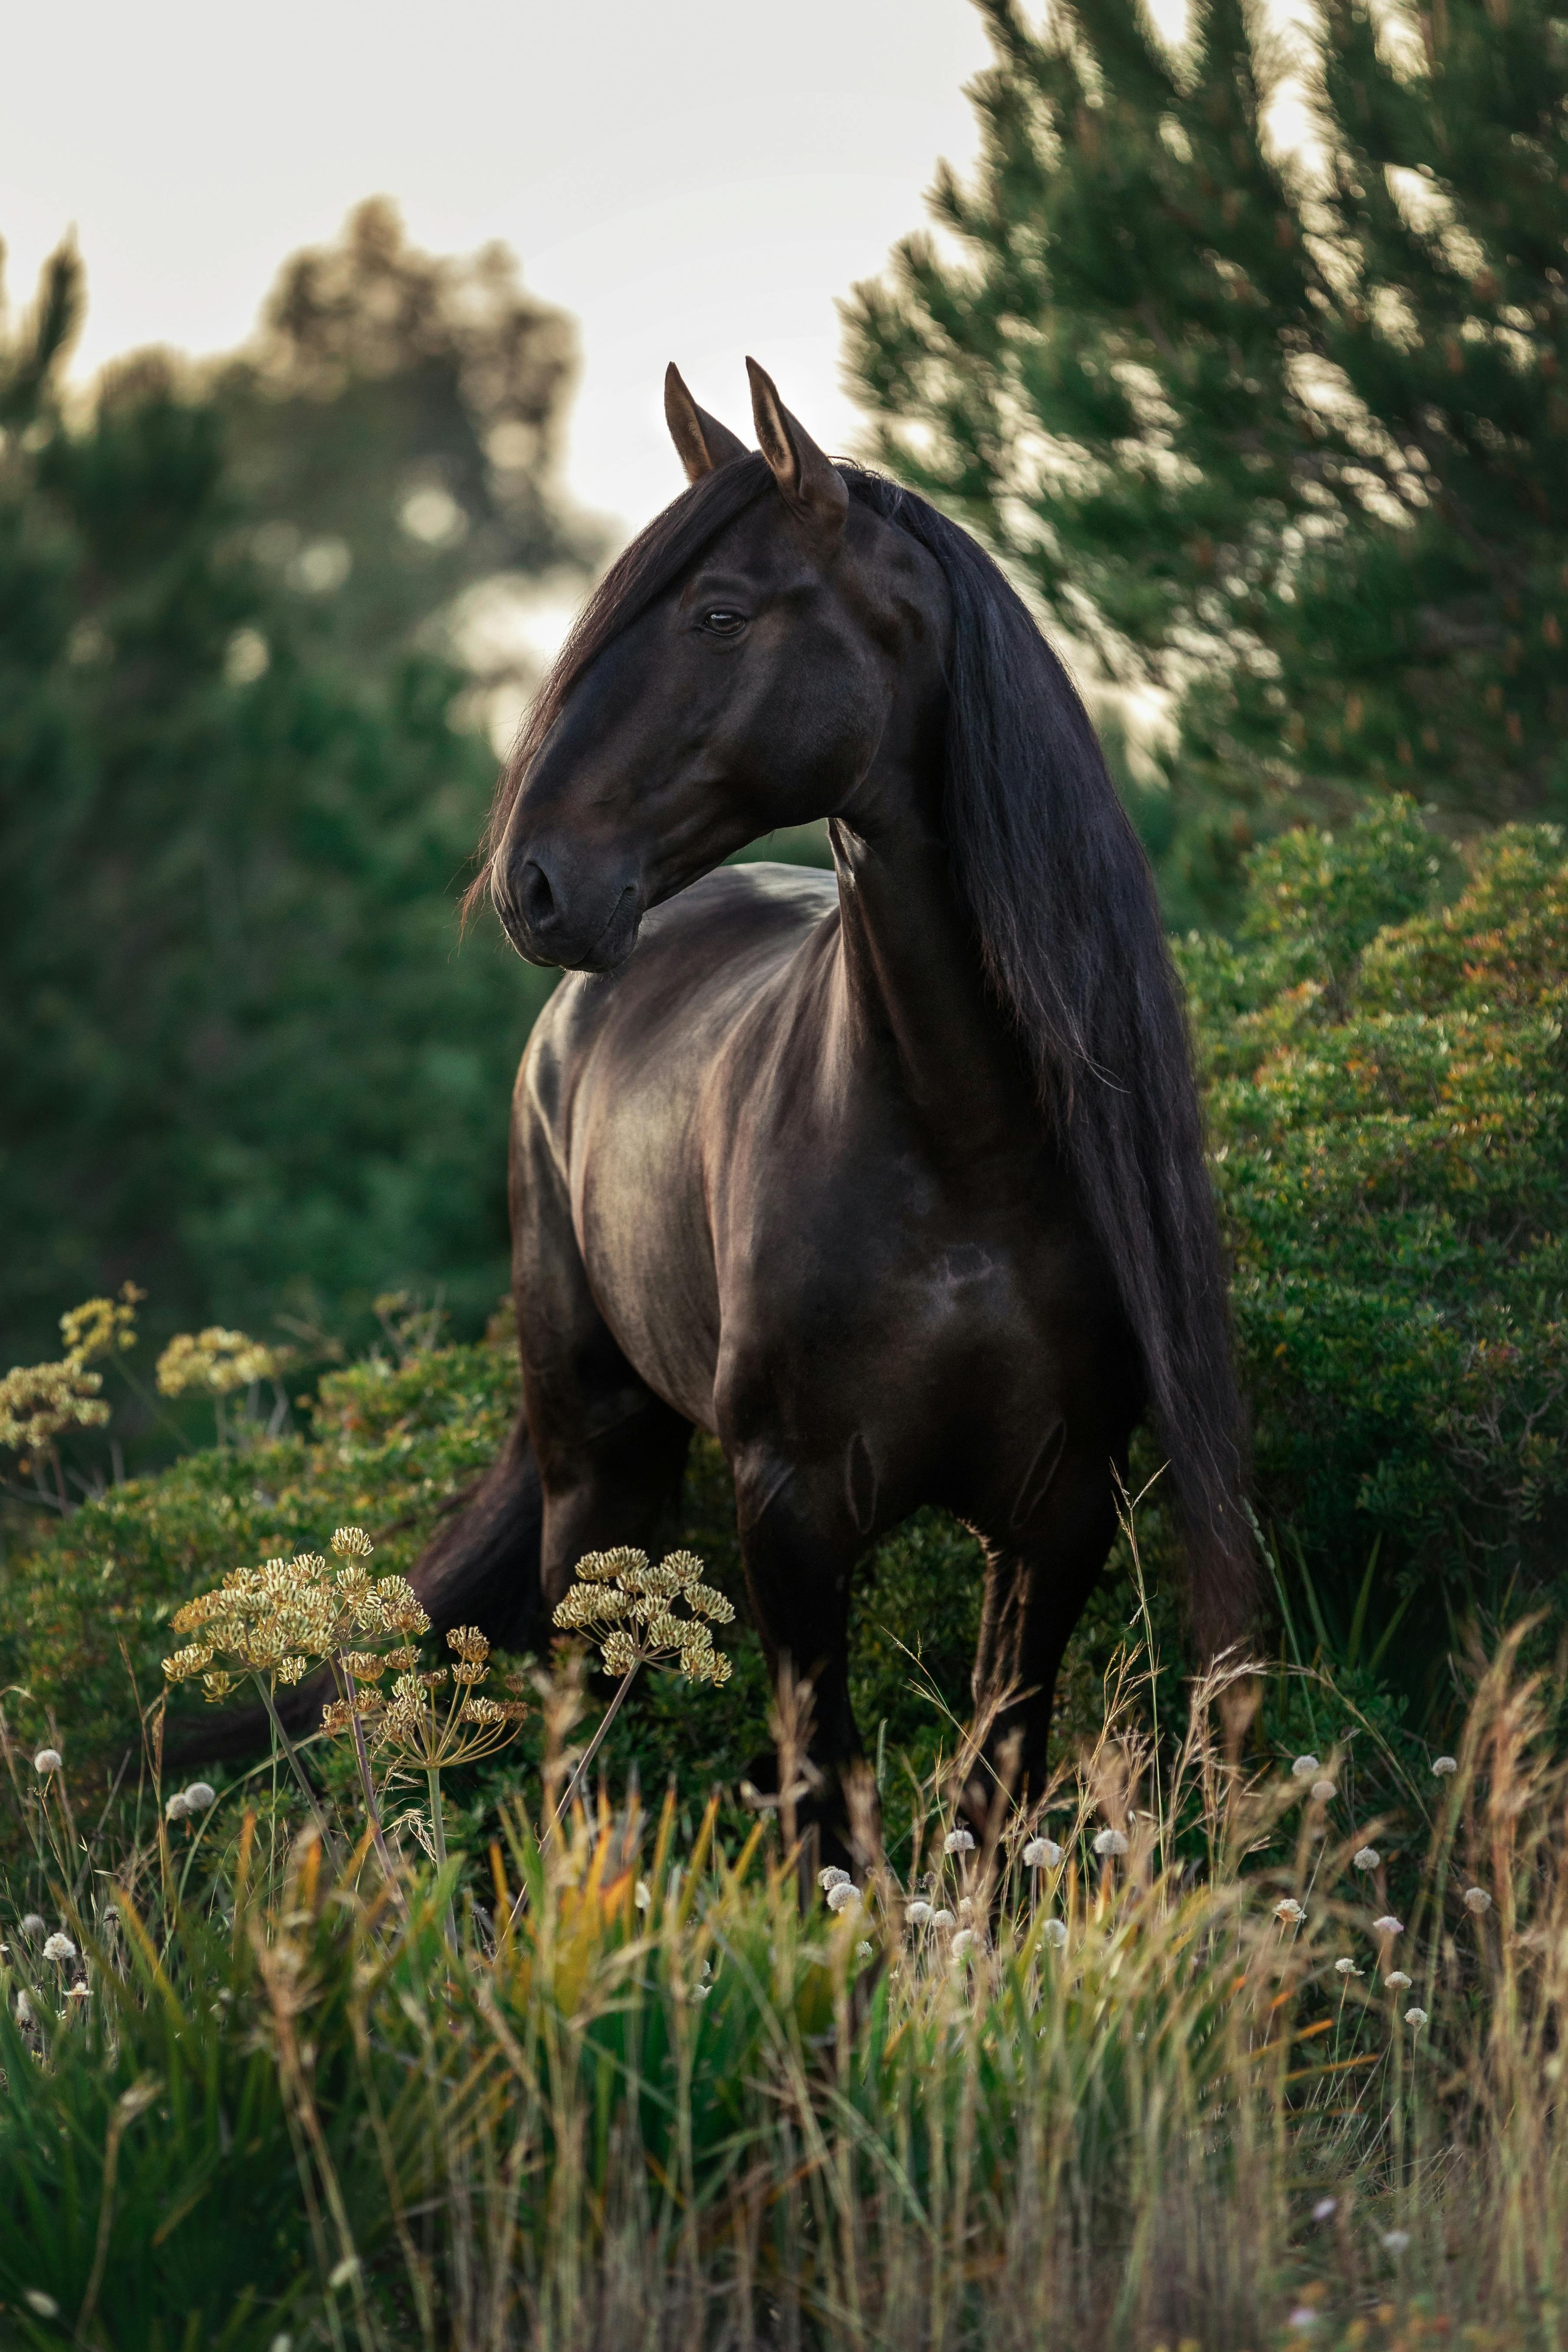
{"points": [[243, 1048], [1278, 422]]}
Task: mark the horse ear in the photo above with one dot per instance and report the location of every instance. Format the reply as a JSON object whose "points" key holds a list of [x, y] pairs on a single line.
{"points": [[812, 489], [703, 444]]}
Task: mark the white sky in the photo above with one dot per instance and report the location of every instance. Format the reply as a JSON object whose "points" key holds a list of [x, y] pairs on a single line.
{"points": [[693, 183]]}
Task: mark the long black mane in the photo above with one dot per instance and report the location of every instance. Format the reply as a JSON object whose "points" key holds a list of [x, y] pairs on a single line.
{"points": [[1067, 925]]}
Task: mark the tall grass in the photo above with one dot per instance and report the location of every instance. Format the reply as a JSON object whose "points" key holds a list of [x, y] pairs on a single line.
{"points": [[1120, 2095]]}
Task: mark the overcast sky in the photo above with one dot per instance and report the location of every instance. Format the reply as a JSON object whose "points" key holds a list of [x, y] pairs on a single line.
{"points": [[691, 182]]}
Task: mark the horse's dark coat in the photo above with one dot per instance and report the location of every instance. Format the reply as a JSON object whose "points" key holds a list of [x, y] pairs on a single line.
{"points": [[893, 1181]]}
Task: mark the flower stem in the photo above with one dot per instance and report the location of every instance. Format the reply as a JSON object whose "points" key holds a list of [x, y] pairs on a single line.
{"points": [[264, 1687], [439, 1839], [589, 1753], [362, 1753]]}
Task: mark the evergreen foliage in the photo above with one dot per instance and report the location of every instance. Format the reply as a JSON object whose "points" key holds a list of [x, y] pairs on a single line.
{"points": [[242, 1050], [1249, 357]]}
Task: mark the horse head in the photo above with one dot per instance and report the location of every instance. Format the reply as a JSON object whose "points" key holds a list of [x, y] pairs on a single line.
{"points": [[741, 679]]}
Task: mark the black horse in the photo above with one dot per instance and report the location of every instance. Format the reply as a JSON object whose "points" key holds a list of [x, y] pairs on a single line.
{"points": [[894, 1181]]}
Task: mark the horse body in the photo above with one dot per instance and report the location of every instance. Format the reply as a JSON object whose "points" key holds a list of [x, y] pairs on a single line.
{"points": [[894, 1181]]}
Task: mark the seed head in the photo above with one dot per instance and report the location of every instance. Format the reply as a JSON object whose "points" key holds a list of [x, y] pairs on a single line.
{"points": [[917, 1913], [1442, 1767], [49, 1759], [1288, 1911], [1396, 2240], [958, 1841], [1397, 1981], [1388, 1926], [841, 1898], [1478, 1900], [32, 1925], [1321, 1791], [1346, 1967], [200, 1795], [60, 1948], [1055, 1933], [1365, 1857], [1110, 1841], [1417, 2017], [1304, 1767], [176, 1809], [961, 1943], [351, 1543], [942, 1918], [832, 1876], [1324, 2208], [1041, 1853]]}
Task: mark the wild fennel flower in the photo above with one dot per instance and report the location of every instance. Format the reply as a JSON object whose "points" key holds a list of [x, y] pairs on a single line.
{"points": [[101, 1326], [38, 1402], [213, 1362], [1041, 1853], [632, 1609]]}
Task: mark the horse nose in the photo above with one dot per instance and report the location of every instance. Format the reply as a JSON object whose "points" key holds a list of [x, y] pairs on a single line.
{"points": [[536, 900]]}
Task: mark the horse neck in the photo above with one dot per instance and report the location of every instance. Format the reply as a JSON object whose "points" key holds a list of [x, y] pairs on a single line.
{"points": [[915, 1000]]}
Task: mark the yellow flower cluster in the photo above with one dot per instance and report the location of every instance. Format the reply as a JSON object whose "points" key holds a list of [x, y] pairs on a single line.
{"points": [[412, 1722], [101, 1326], [275, 1619], [38, 1402], [213, 1362], [633, 1609]]}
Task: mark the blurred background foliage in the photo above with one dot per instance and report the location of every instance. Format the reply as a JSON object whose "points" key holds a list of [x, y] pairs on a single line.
{"points": [[1249, 354], [246, 1057]]}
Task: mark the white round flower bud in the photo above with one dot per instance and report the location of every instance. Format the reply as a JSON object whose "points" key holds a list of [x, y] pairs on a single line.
{"points": [[1346, 1967], [840, 1898], [831, 1877], [1110, 1841], [1442, 1767], [1397, 1981], [1365, 1857], [917, 1913], [1415, 2017], [1388, 1926], [176, 1809], [1041, 1853], [199, 1796], [1478, 1900], [958, 1841], [49, 1759], [1321, 1791], [1304, 1767], [34, 1924]]}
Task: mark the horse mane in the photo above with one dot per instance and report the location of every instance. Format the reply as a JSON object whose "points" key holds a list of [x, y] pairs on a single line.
{"points": [[1062, 904]]}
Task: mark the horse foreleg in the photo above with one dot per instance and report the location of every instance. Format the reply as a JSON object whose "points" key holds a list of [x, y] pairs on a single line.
{"points": [[799, 1548], [1037, 1586]]}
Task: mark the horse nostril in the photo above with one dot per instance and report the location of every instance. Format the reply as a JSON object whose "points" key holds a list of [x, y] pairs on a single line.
{"points": [[536, 896]]}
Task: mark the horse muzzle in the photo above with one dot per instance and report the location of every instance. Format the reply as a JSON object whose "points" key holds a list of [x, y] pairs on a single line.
{"points": [[579, 925]]}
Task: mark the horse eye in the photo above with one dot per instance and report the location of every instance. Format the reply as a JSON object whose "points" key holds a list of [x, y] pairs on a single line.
{"points": [[723, 623]]}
